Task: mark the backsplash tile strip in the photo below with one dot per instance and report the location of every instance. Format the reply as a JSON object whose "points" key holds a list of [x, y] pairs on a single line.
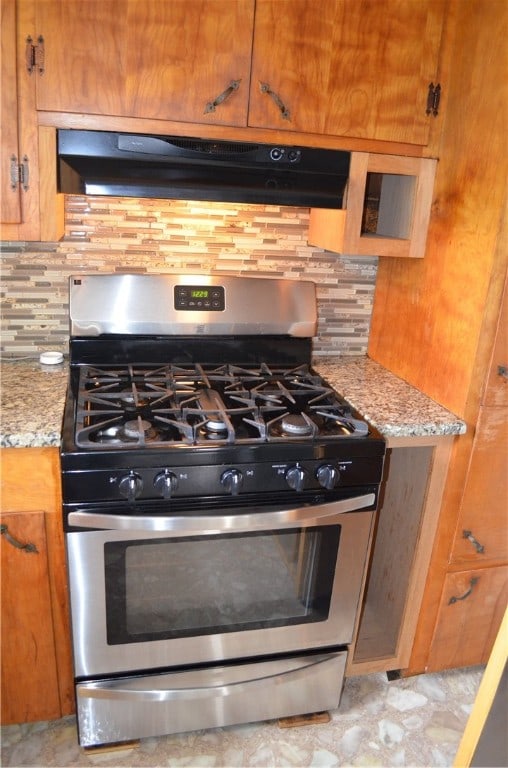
{"points": [[131, 235]]}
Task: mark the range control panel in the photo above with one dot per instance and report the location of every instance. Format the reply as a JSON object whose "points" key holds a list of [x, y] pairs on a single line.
{"points": [[205, 298], [218, 480]]}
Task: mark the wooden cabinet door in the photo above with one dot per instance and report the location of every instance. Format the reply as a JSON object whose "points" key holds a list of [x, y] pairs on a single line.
{"points": [[481, 535], [28, 666], [10, 202], [496, 390], [470, 613], [357, 68], [482, 531], [147, 58]]}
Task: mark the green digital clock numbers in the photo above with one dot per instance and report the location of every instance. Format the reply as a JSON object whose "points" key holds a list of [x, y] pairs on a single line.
{"points": [[199, 298]]}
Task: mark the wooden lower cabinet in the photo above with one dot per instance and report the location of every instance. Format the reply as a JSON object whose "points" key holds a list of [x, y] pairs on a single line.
{"points": [[481, 537], [29, 676], [414, 474], [471, 610], [36, 663]]}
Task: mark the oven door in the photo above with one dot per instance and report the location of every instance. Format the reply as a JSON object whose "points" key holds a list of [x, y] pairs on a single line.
{"points": [[161, 592]]}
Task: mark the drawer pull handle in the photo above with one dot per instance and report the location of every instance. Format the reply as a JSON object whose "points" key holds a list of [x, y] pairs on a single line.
{"points": [[265, 88], [502, 370], [472, 584], [4, 531], [211, 105], [476, 544]]}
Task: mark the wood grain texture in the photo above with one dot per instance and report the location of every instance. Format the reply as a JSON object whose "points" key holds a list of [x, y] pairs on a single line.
{"points": [[441, 314], [28, 663], [433, 310], [344, 68], [484, 507], [496, 388], [468, 623], [149, 59], [30, 480], [23, 120], [10, 203], [341, 230]]}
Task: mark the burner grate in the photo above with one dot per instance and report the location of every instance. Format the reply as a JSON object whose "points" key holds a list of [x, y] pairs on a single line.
{"points": [[156, 406]]}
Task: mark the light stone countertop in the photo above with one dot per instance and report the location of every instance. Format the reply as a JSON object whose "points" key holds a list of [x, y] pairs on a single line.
{"points": [[389, 403], [33, 397], [32, 403]]}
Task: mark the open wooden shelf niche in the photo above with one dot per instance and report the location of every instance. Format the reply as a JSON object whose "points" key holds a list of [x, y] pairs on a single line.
{"points": [[403, 187]]}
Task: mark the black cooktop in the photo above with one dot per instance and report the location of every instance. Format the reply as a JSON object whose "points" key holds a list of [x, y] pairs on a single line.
{"points": [[152, 406]]}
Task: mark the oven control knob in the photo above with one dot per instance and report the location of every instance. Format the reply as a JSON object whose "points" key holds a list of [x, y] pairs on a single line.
{"points": [[328, 476], [165, 483], [131, 486], [232, 479], [296, 478]]}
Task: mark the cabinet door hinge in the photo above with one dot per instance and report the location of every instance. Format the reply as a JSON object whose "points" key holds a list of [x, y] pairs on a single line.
{"points": [[34, 55], [433, 99], [20, 173]]}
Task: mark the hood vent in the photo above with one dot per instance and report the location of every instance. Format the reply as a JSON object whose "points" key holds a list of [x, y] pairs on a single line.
{"points": [[135, 165]]}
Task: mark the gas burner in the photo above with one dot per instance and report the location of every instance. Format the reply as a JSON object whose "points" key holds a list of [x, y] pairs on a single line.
{"points": [[215, 425], [133, 432], [296, 424], [136, 428]]}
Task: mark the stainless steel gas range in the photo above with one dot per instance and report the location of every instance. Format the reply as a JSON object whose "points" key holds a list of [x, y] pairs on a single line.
{"points": [[219, 500]]}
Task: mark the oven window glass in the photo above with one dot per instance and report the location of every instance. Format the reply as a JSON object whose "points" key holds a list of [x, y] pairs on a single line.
{"points": [[165, 588]]}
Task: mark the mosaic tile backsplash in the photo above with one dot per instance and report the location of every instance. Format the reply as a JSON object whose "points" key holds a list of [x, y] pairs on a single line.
{"points": [[130, 235]]}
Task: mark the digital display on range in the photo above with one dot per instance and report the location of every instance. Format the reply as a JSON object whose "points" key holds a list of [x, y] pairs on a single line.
{"points": [[200, 298]]}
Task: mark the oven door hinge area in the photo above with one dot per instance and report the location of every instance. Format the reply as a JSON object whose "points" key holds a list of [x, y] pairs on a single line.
{"points": [[19, 173], [34, 55]]}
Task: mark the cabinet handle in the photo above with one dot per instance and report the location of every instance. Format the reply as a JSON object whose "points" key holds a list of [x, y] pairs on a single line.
{"points": [[265, 88], [34, 55], [29, 55], [433, 99], [472, 584], [233, 86], [502, 370], [476, 544], [4, 531]]}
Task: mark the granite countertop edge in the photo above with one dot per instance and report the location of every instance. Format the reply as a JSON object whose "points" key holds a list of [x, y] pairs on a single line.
{"points": [[33, 398]]}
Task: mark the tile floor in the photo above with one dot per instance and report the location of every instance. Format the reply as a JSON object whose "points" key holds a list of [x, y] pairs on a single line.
{"points": [[412, 722]]}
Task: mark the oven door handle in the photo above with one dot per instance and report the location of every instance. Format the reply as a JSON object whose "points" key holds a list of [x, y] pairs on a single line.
{"points": [[208, 524]]}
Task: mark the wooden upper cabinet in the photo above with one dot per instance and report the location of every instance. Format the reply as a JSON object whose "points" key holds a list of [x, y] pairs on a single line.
{"points": [[10, 202], [147, 58], [355, 68]]}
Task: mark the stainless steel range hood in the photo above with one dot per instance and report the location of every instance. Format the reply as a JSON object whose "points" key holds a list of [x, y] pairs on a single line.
{"points": [[134, 165]]}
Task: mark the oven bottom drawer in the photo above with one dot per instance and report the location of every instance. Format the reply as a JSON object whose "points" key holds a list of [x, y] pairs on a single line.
{"points": [[154, 705]]}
